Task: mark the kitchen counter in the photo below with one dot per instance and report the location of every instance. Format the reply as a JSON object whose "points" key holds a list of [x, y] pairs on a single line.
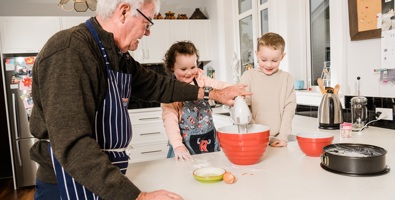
{"points": [[312, 98], [283, 173]]}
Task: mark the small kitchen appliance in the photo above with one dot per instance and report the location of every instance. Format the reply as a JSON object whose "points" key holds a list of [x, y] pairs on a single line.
{"points": [[359, 110], [240, 113], [330, 112]]}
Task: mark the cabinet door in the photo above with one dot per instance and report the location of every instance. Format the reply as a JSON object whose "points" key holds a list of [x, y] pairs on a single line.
{"points": [[164, 33], [68, 22], [152, 48], [26, 34], [200, 36], [180, 31]]}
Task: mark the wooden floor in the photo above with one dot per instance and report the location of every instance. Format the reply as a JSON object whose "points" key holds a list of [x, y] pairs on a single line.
{"points": [[7, 191]]}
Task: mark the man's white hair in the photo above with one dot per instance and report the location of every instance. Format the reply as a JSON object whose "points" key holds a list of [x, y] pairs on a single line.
{"points": [[106, 8]]}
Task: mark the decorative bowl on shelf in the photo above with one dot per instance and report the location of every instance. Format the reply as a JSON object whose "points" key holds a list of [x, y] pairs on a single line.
{"points": [[244, 146], [312, 144]]}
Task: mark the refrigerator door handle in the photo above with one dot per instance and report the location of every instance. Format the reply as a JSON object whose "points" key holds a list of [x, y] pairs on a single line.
{"points": [[18, 152], [15, 120]]}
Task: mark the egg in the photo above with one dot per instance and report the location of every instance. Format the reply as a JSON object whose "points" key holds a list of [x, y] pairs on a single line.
{"points": [[229, 178]]}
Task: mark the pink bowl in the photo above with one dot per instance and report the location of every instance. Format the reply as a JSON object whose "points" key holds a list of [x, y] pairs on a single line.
{"points": [[312, 144], [245, 148]]}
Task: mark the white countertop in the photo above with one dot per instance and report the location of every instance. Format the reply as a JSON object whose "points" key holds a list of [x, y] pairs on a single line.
{"points": [[283, 173]]}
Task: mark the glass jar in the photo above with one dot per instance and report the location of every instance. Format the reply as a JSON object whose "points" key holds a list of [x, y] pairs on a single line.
{"points": [[359, 112]]}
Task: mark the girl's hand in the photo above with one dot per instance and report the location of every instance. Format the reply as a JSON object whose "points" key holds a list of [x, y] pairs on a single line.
{"points": [[181, 153]]}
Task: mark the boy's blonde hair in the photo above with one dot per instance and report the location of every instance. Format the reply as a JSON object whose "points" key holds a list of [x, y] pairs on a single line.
{"points": [[273, 40]]}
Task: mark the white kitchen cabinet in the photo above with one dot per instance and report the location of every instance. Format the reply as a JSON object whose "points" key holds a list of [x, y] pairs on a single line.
{"points": [[152, 49], [149, 141], [180, 30], [26, 34], [70, 21], [200, 36], [196, 31], [164, 33]]}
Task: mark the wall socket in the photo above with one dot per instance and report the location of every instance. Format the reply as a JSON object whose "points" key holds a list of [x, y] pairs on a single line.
{"points": [[387, 112]]}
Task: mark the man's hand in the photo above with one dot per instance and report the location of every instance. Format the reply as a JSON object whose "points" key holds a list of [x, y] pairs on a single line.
{"points": [[227, 95], [181, 153]]}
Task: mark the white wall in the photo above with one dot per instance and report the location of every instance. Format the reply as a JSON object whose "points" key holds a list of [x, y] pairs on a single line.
{"points": [[349, 59], [355, 58]]}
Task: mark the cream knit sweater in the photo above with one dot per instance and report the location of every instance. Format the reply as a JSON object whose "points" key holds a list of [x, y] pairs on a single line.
{"points": [[273, 102]]}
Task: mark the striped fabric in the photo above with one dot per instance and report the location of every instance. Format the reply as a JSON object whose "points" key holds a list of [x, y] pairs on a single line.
{"points": [[113, 130]]}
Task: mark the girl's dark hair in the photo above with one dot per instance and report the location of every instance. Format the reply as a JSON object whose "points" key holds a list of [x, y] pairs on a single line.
{"points": [[179, 48]]}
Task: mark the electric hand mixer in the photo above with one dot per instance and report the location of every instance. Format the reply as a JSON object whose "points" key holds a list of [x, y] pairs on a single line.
{"points": [[240, 113]]}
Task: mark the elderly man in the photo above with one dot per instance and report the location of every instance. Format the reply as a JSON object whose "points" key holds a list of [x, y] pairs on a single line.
{"points": [[82, 81]]}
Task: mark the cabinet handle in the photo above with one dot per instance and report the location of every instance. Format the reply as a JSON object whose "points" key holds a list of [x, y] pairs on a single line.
{"points": [[149, 118], [147, 152], [152, 133]]}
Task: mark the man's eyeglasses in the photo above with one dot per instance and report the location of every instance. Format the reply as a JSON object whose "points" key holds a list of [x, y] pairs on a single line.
{"points": [[150, 22]]}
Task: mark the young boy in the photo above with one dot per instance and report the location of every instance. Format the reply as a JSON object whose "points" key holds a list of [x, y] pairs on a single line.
{"points": [[274, 101], [189, 124]]}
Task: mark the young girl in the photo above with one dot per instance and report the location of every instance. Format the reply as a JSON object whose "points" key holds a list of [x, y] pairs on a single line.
{"points": [[189, 124], [274, 101]]}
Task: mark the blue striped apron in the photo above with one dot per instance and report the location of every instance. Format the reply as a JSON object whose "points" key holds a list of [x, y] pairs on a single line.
{"points": [[113, 129]]}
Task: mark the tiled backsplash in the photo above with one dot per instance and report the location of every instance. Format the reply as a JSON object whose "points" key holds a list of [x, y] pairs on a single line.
{"points": [[373, 103]]}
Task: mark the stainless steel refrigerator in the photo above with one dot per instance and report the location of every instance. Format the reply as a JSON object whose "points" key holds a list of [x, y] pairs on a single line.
{"points": [[17, 81]]}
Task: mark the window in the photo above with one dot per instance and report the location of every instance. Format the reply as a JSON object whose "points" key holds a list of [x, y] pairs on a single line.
{"points": [[319, 41], [253, 21]]}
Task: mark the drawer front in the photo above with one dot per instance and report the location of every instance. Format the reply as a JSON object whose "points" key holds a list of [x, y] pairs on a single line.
{"points": [[148, 152], [149, 133], [146, 118]]}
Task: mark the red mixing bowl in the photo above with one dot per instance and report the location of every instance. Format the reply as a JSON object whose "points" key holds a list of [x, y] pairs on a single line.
{"points": [[312, 144], [244, 148]]}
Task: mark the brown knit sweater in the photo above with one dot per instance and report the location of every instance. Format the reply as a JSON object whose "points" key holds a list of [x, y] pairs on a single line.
{"points": [[69, 85]]}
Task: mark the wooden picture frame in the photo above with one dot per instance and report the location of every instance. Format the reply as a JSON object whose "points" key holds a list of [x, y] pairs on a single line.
{"points": [[355, 34]]}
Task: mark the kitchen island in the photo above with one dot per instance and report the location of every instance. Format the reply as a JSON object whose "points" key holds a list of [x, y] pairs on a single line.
{"points": [[283, 173]]}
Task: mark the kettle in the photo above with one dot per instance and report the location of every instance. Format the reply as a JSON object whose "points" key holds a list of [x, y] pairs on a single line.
{"points": [[330, 112]]}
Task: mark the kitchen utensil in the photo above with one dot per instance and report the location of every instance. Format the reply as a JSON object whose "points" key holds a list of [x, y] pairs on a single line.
{"points": [[209, 174], [330, 112], [321, 85], [354, 159], [312, 144], [336, 89], [359, 110], [244, 148], [240, 114]]}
